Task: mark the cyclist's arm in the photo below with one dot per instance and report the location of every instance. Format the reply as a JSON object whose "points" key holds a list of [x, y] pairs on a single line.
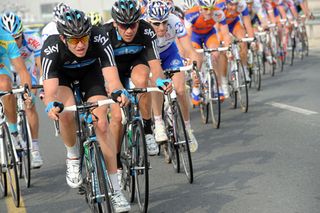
{"points": [[50, 87], [22, 71], [112, 79], [38, 64], [248, 26], [225, 34]]}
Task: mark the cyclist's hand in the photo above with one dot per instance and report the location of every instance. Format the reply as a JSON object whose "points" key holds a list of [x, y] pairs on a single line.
{"points": [[121, 96], [29, 100], [195, 79], [165, 85], [41, 94], [53, 109], [253, 45]]}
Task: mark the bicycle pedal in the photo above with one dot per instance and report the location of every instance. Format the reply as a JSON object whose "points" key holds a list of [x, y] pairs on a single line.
{"points": [[82, 190]]}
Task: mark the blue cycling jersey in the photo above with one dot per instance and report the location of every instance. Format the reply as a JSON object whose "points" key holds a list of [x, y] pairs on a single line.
{"points": [[8, 50]]}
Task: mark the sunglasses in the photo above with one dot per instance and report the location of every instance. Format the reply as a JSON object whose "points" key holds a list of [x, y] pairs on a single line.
{"points": [[206, 8], [158, 23], [75, 41], [127, 26], [17, 36]]}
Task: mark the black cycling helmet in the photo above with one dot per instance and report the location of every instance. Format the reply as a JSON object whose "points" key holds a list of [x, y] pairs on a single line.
{"points": [[74, 23], [178, 12], [126, 11]]}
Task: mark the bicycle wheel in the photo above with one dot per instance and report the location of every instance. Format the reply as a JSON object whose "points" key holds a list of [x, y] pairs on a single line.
{"points": [[24, 157], [140, 166], [242, 90], [127, 179], [182, 141], [204, 104], [293, 48], [102, 202], [214, 99], [232, 82], [172, 146], [256, 71], [3, 169], [12, 172]]}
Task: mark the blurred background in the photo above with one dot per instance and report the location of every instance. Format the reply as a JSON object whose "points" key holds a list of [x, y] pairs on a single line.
{"points": [[38, 12]]}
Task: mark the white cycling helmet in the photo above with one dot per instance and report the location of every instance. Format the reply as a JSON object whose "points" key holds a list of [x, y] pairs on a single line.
{"points": [[158, 10], [11, 23], [58, 10], [206, 3], [188, 4]]}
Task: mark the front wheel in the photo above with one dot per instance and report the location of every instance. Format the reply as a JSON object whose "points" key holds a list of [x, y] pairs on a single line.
{"points": [[140, 166], [182, 142], [25, 158], [11, 163], [242, 90], [214, 99]]}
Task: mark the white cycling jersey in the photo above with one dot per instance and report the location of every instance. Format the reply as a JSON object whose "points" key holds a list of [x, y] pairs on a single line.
{"points": [[257, 9], [30, 49], [176, 29], [49, 29]]}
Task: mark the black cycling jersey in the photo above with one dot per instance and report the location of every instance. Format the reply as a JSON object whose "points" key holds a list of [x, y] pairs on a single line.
{"points": [[56, 57], [143, 45]]}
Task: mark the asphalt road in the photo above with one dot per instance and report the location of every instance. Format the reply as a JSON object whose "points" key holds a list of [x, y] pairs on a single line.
{"points": [[266, 160]]}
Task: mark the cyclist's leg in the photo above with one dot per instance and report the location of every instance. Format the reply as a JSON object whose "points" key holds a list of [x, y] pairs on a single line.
{"points": [[140, 77], [9, 101]]}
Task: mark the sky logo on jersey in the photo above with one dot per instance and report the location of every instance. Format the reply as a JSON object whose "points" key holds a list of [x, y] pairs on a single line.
{"points": [[100, 39], [149, 32], [128, 50], [34, 43], [51, 49]]}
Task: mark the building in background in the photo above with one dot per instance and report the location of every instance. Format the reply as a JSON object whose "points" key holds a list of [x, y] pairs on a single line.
{"points": [[40, 11]]}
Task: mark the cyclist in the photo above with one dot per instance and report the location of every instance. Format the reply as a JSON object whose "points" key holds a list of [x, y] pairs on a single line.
{"points": [[232, 10], [257, 14], [51, 27], [168, 27], [96, 18], [201, 21], [136, 54], [29, 44], [9, 52], [81, 53]]}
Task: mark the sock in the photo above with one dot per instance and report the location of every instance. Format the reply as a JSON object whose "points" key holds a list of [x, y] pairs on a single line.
{"points": [[35, 145], [188, 124], [12, 127], [114, 181], [147, 126], [158, 118], [195, 90], [73, 151], [119, 164]]}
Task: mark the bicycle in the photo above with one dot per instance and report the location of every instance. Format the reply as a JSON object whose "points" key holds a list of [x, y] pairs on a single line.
{"points": [[9, 159], [209, 89], [255, 62], [178, 143], [96, 186], [133, 155], [238, 86]]}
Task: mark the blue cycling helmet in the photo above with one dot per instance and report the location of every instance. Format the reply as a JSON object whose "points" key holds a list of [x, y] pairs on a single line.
{"points": [[11, 23], [158, 10]]}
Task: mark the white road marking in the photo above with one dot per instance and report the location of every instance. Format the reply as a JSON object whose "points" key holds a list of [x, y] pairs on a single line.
{"points": [[292, 108]]}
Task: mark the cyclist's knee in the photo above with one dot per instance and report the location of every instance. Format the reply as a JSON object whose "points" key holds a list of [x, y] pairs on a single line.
{"points": [[5, 83]]}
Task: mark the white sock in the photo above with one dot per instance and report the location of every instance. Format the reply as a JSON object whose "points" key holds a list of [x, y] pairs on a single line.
{"points": [[35, 145], [224, 80], [158, 118], [73, 151], [195, 90], [188, 124], [114, 182]]}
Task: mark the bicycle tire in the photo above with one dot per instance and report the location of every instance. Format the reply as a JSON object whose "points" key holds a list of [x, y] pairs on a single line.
{"points": [[3, 175], [204, 104], [256, 71], [214, 101], [242, 91], [182, 141], [232, 88], [12, 171], [127, 179], [25, 156], [293, 40], [103, 203], [173, 153], [141, 166]]}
